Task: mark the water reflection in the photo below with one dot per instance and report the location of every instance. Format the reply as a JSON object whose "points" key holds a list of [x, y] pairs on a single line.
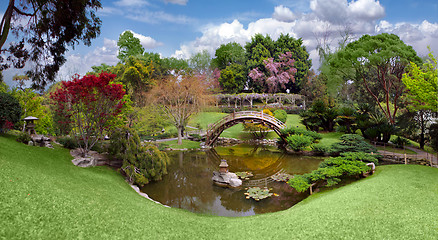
{"points": [[188, 184]]}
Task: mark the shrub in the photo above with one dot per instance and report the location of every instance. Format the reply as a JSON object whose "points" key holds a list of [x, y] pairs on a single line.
{"points": [[281, 115], [320, 149], [299, 182], [433, 132], [298, 142], [360, 156], [68, 142], [400, 142], [352, 143], [10, 111], [24, 137], [300, 131], [141, 164]]}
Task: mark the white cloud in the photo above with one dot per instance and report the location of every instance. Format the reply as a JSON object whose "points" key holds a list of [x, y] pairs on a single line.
{"points": [[156, 17], [368, 10], [132, 3], [283, 14], [179, 2], [145, 41]]}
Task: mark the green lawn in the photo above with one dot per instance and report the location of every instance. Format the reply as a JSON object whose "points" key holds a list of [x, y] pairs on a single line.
{"points": [[186, 144], [43, 196]]}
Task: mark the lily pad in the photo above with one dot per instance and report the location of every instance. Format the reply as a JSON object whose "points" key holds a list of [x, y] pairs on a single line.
{"points": [[258, 193], [244, 175], [281, 177]]}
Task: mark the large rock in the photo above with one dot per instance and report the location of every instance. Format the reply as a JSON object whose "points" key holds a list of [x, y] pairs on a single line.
{"points": [[226, 179], [84, 162]]}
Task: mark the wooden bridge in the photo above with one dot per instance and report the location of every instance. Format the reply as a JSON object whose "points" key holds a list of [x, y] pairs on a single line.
{"points": [[215, 130]]}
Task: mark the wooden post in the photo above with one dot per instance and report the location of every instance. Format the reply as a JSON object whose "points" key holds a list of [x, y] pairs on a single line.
{"points": [[406, 160]]}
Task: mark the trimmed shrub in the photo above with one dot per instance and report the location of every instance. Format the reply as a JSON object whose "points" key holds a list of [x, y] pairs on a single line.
{"points": [[68, 142], [300, 131], [320, 149], [141, 164], [361, 156], [299, 142], [299, 182], [281, 115], [433, 132], [352, 143]]}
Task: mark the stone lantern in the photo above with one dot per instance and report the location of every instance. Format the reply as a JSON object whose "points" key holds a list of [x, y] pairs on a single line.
{"points": [[223, 167], [30, 125]]}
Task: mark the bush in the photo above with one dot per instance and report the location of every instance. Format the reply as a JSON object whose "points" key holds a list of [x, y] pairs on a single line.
{"points": [[361, 156], [281, 115], [24, 137], [400, 142], [433, 132], [299, 182], [10, 111], [68, 142], [141, 164], [352, 143], [298, 142], [320, 149], [300, 131]]}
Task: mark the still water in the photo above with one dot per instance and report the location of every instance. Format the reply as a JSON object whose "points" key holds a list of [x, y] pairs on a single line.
{"points": [[188, 184]]}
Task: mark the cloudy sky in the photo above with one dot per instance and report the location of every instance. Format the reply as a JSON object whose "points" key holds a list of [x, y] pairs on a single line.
{"points": [[181, 28]]}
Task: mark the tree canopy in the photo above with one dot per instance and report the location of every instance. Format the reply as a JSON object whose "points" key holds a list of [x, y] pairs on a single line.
{"points": [[128, 46], [51, 27]]}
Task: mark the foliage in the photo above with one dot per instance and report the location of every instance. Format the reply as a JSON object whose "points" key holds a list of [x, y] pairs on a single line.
{"points": [[433, 131], [68, 142], [24, 137], [298, 142], [51, 28], [361, 156], [314, 86], [320, 149], [299, 182], [233, 78], [10, 111], [229, 54], [400, 142], [322, 114], [257, 193], [244, 175], [141, 164], [258, 130], [281, 115], [379, 63], [275, 75], [299, 131], [422, 84], [180, 98], [90, 104], [352, 143], [128, 46], [346, 119]]}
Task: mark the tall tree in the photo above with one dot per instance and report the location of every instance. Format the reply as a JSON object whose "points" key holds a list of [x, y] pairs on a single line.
{"points": [[128, 46], [51, 27], [379, 63], [180, 98], [227, 54]]}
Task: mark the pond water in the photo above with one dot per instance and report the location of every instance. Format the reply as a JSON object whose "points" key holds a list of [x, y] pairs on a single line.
{"points": [[189, 186]]}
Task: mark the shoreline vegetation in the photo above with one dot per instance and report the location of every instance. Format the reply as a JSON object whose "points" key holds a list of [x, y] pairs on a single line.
{"points": [[45, 196]]}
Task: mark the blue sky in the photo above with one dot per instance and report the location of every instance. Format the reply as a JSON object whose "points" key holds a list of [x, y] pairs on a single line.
{"points": [[181, 28]]}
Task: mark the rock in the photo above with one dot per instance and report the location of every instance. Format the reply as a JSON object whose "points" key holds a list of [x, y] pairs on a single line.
{"points": [[30, 143], [226, 179], [84, 162]]}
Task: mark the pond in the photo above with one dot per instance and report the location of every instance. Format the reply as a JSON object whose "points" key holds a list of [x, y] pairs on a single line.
{"points": [[189, 186]]}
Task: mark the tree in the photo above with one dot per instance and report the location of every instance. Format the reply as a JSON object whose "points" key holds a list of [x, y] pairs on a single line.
{"points": [[50, 28], [10, 111], [379, 62], [128, 46], [90, 104], [180, 97], [228, 54], [422, 84], [233, 78], [277, 74]]}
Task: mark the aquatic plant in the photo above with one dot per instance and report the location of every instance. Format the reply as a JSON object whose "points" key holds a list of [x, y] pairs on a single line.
{"points": [[244, 175], [281, 177], [257, 193]]}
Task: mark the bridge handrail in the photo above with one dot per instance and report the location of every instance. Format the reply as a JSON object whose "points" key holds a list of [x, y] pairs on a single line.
{"points": [[241, 114]]}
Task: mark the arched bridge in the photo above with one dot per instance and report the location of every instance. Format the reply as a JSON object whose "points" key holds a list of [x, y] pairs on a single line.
{"points": [[215, 130]]}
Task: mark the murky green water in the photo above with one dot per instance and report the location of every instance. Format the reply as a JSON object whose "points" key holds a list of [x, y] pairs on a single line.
{"points": [[188, 184]]}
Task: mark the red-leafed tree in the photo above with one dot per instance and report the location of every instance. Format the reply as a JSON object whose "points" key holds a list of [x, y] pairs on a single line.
{"points": [[277, 74], [89, 105]]}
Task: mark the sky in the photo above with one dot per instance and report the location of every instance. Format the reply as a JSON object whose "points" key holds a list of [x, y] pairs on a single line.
{"points": [[181, 28]]}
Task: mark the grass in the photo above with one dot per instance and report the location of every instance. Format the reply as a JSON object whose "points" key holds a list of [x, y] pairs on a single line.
{"points": [[186, 144], [396, 150], [43, 196]]}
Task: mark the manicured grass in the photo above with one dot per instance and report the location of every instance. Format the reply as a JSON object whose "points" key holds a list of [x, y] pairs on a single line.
{"points": [[396, 150], [186, 144], [43, 196], [330, 137]]}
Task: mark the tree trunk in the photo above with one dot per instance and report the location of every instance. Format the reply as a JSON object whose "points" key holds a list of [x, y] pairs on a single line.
{"points": [[180, 129]]}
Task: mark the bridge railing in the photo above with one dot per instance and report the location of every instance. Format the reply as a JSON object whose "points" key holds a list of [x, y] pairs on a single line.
{"points": [[245, 114]]}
